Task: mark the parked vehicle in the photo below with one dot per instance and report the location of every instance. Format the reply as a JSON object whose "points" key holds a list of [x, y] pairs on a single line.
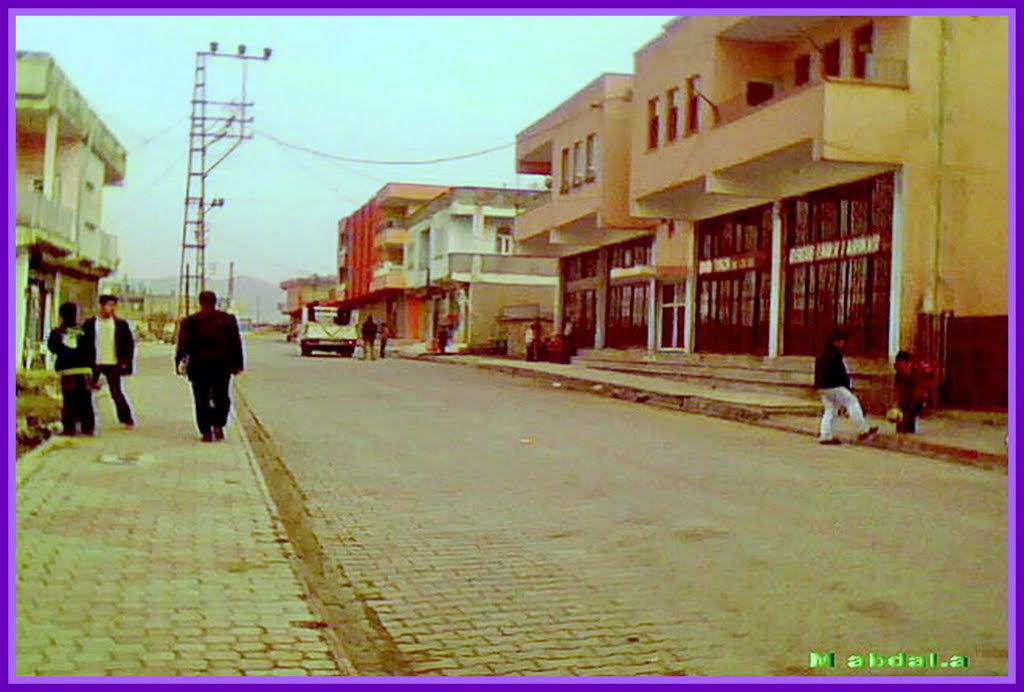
{"points": [[328, 328]]}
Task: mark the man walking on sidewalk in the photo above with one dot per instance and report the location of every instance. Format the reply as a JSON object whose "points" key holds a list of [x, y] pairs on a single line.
{"points": [[74, 365], [369, 332], [210, 345], [113, 346], [833, 384]]}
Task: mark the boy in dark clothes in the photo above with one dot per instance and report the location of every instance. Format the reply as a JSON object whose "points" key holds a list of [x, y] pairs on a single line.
{"points": [[910, 393], [75, 360]]}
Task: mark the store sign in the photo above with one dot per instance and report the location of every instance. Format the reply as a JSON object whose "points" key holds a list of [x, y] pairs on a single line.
{"points": [[721, 265], [834, 249]]}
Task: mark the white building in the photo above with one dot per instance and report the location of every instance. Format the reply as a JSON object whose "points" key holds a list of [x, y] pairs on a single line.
{"points": [[65, 157]]}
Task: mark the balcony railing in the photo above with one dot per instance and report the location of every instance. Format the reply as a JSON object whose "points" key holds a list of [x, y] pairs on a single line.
{"points": [[386, 269], [474, 263], [35, 211], [879, 73], [97, 247]]}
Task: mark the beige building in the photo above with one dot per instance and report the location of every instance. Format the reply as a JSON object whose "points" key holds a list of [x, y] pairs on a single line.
{"points": [[300, 292], [463, 267], [608, 270], [831, 171], [65, 157]]}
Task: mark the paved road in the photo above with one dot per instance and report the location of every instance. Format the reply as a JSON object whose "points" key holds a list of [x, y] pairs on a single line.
{"points": [[496, 526]]}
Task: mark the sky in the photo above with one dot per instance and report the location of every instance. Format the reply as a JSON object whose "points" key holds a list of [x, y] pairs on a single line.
{"points": [[377, 88]]}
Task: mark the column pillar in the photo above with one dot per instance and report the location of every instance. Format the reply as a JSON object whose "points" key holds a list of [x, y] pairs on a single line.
{"points": [[20, 288], [601, 298], [652, 315], [52, 143], [690, 326], [775, 309], [896, 266]]}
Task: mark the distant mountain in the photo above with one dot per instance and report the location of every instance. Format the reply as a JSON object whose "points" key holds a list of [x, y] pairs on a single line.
{"points": [[254, 298]]}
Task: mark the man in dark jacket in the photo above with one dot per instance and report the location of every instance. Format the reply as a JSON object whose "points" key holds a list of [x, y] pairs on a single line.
{"points": [[369, 332], [74, 365], [833, 384], [113, 351], [210, 345]]}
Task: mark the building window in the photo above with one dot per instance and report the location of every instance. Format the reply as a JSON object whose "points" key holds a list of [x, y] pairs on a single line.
{"points": [[590, 155], [635, 253], [830, 57], [672, 124], [652, 123], [564, 186], [504, 240], [693, 105], [577, 164], [759, 92], [862, 48], [802, 69]]}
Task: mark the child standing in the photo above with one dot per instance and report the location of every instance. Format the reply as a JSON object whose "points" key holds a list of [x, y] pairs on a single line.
{"points": [[75, 359], [910, 394]]}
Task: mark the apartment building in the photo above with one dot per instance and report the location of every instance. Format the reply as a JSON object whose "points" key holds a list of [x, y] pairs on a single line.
{"points": [[823, 172], [65, 157], [371, 255], [462, 268], [608, 267]]}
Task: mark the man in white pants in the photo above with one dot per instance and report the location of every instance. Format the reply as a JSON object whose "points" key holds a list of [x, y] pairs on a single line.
{"points": [[833, 383]]}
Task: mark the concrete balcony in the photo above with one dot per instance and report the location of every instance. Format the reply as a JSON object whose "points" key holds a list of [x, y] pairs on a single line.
{"points": [[393, 237], [43, 221], [42, 88], [96, 249], [388, 276], [472, 267], [807, 138]]}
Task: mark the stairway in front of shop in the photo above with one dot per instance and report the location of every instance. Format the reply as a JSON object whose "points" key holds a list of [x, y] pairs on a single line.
{"points": [[791, 376]]}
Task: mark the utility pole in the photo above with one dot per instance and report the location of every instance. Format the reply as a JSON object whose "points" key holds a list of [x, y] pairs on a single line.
{"points": [[205, 132]]}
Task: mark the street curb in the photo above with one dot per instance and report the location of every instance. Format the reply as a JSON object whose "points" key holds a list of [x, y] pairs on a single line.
{"points": [[759, 416], [30, 463], [354, 627], [339, 655]]}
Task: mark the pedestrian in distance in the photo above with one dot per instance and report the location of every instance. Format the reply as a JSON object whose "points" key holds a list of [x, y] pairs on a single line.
{"points": [[442, 339], [528, 339], [210, 351], [910, 384], [75, 367], [385, 332], [832, 381], [570, 337], [369, 332], [113, 346]]}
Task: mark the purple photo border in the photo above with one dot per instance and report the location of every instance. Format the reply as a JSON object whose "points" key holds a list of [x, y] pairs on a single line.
{"points": [[799, 7]]}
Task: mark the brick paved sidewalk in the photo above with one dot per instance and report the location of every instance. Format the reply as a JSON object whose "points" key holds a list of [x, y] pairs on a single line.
{"points": [[146, 552]]}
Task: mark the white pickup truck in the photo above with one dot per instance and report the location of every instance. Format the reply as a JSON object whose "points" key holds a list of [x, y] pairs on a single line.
{"points": [[327, 328]]}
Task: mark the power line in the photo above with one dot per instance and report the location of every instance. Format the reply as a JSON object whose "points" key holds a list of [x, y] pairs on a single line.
{"points": [[427, 162], [153, 183]]}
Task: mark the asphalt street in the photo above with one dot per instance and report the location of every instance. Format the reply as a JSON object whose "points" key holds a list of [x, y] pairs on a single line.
{"points": [[494, 525]]}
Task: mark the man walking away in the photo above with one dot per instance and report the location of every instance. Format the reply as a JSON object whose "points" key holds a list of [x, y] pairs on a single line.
{"points": [[114, 350], [369, 336], [385, 332], [74, 365], [833, 384], [210, 345]]}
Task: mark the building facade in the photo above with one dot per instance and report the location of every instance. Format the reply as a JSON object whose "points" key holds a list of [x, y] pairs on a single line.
{"points": [[825, 172], [821, 170], [65, 157], [371, 256], [462, 268], [608, 265], [300, 292]]}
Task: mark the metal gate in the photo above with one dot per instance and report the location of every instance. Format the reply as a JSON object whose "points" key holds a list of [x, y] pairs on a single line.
{"points": [[734, 282], [838, 265]]}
